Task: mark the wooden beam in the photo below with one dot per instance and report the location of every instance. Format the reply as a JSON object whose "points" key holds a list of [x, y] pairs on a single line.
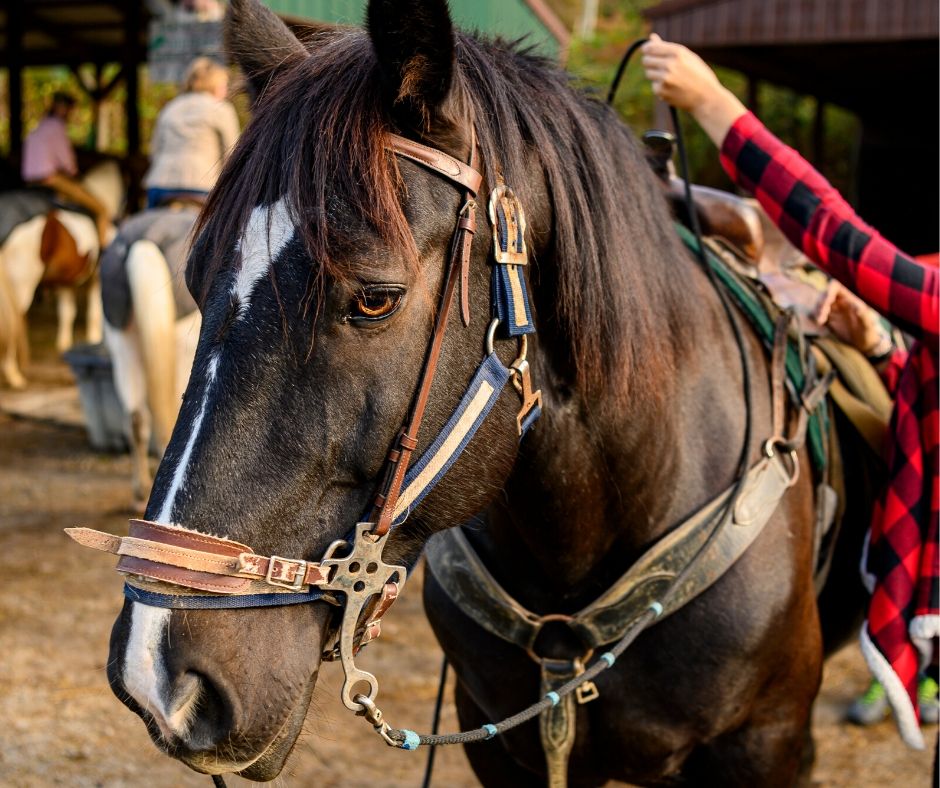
{"points": [[132, 57], [15, 87], [753, 94]]}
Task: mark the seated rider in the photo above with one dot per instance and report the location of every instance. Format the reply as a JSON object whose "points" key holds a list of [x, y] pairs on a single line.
{"points": [[194, 133], [49, 161]]}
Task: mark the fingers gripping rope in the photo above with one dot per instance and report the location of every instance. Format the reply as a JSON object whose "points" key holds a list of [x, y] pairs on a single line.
{"points": [[409, 740]]}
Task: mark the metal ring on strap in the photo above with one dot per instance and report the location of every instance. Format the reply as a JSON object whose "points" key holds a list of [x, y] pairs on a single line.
{"points": [[491, 338]]}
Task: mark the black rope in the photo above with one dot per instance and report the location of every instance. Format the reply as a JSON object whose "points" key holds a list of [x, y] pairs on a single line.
{"points": [[217, 781], [435, 724], [623, 67]]}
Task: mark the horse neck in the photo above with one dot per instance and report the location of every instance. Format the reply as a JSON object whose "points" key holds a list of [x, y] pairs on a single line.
{"points": [[597, 482], [104, 182]]}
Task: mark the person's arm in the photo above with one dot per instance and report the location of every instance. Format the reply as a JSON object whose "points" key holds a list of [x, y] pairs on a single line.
{"points": [[63, 154], [809, 211]]}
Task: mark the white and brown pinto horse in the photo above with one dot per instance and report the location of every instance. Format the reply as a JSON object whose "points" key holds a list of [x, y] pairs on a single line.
{"points": [[59, 249], [151, 325]]}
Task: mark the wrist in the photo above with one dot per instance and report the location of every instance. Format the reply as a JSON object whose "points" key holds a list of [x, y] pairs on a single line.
{"points": [[880, 350], [718, 112]]}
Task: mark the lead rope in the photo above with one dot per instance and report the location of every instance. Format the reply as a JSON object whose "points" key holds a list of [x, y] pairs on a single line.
{"points": [[435, 723], [409, 740]]}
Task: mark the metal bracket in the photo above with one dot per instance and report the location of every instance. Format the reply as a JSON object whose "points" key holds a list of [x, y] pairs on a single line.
{"points": [[522, 380], [360, 576]]}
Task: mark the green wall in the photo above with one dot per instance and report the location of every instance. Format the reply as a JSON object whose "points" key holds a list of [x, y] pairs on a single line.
{"points": [[507, 18]]}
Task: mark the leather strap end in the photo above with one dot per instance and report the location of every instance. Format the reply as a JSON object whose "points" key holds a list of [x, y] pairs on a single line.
{"points": [[96, 540]]}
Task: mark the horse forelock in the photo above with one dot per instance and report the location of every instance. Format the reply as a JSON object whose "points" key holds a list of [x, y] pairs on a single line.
{"points": [[602, 279]]}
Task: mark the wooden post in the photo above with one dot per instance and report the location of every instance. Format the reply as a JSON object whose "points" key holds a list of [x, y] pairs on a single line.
{"points": [[15, 72], [753, 95], [131, 58], [819, 133], [133, 22]]}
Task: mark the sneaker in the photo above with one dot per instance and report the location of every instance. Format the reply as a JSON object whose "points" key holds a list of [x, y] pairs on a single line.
{"points": [[870, 707], [927, 691]]}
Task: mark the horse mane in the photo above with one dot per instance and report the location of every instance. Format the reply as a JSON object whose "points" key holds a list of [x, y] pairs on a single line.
{"points": [[603, 287]]}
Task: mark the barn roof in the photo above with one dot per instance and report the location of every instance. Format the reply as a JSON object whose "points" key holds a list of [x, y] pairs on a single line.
{"points": [[867, 55], [711, 23], [66, 32]]}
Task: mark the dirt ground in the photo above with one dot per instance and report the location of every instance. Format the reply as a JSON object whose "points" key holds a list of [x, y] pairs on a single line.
{"points": [[60, 724]]}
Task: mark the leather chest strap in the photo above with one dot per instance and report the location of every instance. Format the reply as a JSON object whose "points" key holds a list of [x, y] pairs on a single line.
{"points": [[457, 568]]}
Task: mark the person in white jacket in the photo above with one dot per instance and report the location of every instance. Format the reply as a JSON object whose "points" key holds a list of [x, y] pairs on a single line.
{"points": [[193, 135]]}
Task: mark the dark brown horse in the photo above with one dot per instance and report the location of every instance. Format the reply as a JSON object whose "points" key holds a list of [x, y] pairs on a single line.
{"points": [[318, 267]]}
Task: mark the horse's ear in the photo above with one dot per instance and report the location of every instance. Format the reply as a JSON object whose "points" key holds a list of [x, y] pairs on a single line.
{"points": [[258, 42], [414, 43]]}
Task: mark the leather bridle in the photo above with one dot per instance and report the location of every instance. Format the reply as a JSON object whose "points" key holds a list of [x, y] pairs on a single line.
{"points": [[178, 568]]}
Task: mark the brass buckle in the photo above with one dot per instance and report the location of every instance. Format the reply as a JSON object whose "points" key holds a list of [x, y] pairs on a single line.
{"points": [[587, 690], [294, 585], [522, 380]]}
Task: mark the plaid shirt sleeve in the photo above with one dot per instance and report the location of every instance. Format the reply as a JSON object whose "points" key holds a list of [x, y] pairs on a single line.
{"points": [[817, 220]]}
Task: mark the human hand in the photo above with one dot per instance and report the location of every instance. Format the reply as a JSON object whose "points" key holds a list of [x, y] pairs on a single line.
{"points": [[682, 79], [679, 76], [852, 320]]}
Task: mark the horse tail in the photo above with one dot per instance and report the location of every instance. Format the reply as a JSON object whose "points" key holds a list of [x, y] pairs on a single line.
{"points": [[155, 316]]}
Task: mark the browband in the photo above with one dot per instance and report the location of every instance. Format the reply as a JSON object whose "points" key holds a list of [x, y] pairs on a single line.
{"points": [[442, 163]]}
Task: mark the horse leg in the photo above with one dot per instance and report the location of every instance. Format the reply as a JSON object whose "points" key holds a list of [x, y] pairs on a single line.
{"points": [[10, 367], [127, 367], [13, 345], [94, 312], [67, 309], [774, 748], [492, 764]]}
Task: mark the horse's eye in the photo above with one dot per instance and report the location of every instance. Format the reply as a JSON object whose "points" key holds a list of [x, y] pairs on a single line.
{"points": [[375, 303]]}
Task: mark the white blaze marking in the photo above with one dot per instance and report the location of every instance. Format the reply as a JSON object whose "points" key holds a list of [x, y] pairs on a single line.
{"points": [[268, 231], [144, 672]]}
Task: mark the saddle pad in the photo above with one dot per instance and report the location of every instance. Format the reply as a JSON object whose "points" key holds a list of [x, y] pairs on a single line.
{"points": [[20, 206], [170, 230]]}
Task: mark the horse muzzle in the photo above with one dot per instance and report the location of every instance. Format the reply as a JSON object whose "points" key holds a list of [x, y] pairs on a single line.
{"points": [[221, 691]]}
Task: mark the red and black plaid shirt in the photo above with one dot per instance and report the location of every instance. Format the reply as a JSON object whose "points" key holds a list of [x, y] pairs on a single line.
{"points": [[903, 617]]}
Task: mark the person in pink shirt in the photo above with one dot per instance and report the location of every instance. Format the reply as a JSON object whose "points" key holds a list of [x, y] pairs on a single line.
{"points": [[49, 161]]}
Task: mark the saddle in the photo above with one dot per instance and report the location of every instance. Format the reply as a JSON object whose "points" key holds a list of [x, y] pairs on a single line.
{"points": [[720, 213], [64, 265]]}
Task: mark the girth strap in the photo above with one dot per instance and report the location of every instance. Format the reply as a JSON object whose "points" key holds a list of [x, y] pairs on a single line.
{"points": [[557, 729]]}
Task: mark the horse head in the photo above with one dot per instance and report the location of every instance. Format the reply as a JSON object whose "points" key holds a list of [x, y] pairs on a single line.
{"points": [[318, 267]]}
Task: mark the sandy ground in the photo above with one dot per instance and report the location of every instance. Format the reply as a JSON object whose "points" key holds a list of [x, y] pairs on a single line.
{"points": [[60, 725]]}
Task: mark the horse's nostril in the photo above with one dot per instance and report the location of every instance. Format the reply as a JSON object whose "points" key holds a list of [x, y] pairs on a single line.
{"points": [[211, 714]]}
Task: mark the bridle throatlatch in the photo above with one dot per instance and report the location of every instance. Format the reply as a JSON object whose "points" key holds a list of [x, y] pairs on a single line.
{"points": [[177, 568]]}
